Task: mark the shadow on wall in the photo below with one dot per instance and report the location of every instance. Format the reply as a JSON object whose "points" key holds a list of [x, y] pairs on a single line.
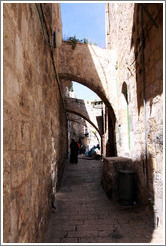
{"points": [[145, 188], [147, 33], [111, 145], [147, 40]]}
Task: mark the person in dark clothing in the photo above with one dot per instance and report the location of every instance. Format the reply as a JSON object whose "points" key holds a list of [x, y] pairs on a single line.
{"points": [[74, 152]]}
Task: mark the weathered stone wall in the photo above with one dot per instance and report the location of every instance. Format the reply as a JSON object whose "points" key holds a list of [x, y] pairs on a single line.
{"points": [[124, 35], [34, 136]]}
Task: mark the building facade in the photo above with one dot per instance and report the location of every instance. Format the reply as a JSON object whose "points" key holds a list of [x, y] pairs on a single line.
{"points": [[135, 31]]}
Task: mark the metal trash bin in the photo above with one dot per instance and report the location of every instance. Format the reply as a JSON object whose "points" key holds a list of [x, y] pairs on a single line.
{"points": [[126, 187]]}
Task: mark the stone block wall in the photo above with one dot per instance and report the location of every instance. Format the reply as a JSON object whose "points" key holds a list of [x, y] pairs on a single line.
{"points": [[124, 34], [34, 135]]}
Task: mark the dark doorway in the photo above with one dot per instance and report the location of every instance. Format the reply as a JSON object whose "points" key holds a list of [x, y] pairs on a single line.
{"points": [[110, 145]]}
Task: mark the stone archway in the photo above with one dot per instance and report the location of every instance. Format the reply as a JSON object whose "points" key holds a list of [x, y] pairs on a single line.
{"points": [[83, 116], [94, 68], [82, 130], [80, 114], [90, 66], [86, 111]]}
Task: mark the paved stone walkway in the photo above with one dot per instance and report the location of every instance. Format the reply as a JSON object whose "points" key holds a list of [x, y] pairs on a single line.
{"points": [[84, 214]]}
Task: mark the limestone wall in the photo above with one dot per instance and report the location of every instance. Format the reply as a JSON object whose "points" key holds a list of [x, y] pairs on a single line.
{"points": [[34, 136], [124, 35]]}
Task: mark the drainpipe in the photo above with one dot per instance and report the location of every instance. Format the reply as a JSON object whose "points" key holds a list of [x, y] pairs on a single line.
{"points": [[144, 93]]}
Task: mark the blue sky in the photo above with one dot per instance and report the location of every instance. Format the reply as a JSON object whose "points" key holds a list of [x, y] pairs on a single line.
{"points": [[85, 20]]}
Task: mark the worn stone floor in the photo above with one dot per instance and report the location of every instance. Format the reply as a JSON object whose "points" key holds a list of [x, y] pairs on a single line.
{"points": [[84, 214]]}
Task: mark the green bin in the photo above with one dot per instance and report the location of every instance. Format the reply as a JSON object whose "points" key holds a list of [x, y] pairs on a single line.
{"points": [[126, 187]]}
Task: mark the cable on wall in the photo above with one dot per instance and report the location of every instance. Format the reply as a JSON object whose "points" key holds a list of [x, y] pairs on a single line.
{"points": [[50, 46]]}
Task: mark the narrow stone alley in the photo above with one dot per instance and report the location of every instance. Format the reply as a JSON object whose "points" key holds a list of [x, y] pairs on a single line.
{"points": [[43, 117], [84, 214]]}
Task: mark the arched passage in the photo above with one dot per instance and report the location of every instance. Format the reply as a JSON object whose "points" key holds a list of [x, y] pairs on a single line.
{"points": [[88, 111], [84, 131], [84, 117], [88, 120], [93, 67], [110, 148]]}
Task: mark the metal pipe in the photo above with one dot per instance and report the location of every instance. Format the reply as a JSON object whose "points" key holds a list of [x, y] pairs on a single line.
{"points": [[144, 93]]}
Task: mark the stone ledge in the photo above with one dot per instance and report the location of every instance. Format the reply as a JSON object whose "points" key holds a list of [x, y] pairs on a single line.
{"points": [[118, 162], [111, 166]]}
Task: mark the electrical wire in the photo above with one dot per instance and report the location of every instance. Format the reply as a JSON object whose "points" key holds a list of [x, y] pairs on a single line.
{"points": [[51, 51], [54, 68], [42, 26]]}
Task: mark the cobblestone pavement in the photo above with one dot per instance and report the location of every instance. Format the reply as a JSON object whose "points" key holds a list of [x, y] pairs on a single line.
{"points": [[84, 214]]}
